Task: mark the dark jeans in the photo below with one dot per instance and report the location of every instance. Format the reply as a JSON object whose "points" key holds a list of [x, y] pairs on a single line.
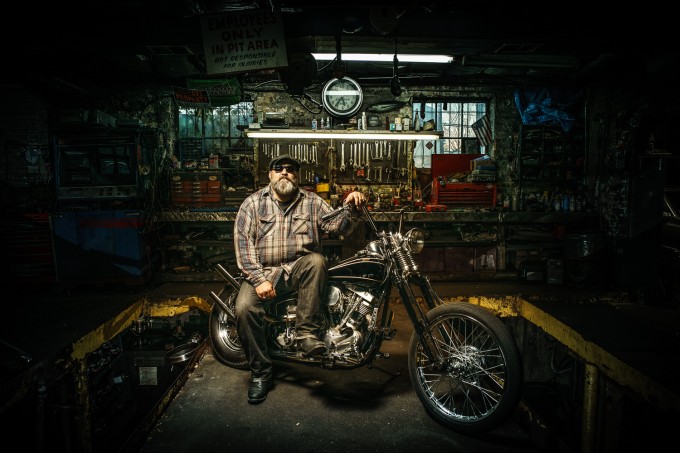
{"points": [[308, 277]]}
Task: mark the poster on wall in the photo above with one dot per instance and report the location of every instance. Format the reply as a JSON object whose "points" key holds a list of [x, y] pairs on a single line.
{"points": [[243, 41], [222, 92]]}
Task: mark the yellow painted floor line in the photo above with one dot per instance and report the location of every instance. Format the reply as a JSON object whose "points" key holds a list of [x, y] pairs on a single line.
{"points": [[108, 330], [613, 367], [607, 363]]}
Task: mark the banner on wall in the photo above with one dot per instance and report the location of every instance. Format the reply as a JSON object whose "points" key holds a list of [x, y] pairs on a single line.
{"points": [[243, 41], [222, 92], [191, 98]]}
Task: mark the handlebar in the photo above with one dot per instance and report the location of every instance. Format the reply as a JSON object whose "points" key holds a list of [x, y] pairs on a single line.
{"points": [[367, 214]]}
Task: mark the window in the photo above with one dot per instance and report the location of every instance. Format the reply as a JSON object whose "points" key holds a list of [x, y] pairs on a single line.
{"points": [[455, 119], [213, 131]]}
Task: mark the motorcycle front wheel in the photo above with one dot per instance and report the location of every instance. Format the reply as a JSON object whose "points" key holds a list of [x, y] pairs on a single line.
{"points": [[226, 345], [474, 381]]}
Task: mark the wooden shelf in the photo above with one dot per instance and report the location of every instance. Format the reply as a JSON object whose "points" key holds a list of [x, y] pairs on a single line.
{"points": [[324, 134]]}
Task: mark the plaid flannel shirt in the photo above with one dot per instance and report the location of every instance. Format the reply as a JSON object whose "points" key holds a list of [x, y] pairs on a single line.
{"points": [[268, 240]]}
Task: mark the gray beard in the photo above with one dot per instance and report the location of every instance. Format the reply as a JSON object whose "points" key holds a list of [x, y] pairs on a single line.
{"points": [[285, 187]]}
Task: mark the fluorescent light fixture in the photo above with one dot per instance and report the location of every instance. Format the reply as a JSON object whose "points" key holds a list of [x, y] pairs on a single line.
{"points": [[347, 135], [377, 57]]}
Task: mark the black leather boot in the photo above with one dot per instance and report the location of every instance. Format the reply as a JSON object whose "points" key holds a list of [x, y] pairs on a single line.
{"points": [[258, 389], [311, 346]]}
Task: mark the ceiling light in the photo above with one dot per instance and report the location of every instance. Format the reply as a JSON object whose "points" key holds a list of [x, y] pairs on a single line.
{"points": [[347, 135], [377, 57]]}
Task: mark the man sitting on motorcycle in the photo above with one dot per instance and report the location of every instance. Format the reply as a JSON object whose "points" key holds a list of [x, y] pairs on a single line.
{"points": [[277, 243]]}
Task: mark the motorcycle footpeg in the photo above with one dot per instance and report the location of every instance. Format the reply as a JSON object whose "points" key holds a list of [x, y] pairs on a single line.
{"points": [[390, 335]]}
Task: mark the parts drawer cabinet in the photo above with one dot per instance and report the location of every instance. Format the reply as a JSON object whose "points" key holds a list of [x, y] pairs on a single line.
{"points": [[196, 189]]}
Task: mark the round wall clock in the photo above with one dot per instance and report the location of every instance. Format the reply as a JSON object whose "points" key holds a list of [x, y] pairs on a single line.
{"points": [[342, 97]]}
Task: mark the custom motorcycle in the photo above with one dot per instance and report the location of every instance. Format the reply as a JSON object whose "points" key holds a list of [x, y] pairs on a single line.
{"points": [[463, 362]]}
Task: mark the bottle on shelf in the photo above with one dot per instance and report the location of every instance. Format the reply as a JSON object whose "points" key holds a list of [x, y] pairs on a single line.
{"points": [[546, 201], [557, 203]]}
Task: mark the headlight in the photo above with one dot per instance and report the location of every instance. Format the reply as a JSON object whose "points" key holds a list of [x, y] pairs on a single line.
{"points": [[416, 240]]}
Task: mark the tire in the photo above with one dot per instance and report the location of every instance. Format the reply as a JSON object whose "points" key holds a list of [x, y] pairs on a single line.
{"points": [[226, 345], [478, 383]]}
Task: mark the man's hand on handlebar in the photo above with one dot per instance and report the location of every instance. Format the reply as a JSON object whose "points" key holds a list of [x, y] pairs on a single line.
{"points": [[356, 198]]}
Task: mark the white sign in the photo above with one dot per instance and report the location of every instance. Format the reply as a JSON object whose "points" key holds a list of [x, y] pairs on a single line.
{"points": [[148, 375], [243, 41]]}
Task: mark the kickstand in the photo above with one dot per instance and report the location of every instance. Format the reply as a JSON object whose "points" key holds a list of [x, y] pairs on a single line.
{"points": [[386, 356]]}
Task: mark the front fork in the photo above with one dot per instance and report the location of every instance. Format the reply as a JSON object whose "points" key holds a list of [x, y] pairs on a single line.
{"points": [[415, 312]]}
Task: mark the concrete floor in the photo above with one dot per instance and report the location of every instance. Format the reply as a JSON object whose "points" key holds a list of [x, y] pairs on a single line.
{"points": [[315, 410], [312, 409]]}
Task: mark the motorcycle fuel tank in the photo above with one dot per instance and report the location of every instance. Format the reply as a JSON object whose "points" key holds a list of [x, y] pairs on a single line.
{"points": [[363, 270]]}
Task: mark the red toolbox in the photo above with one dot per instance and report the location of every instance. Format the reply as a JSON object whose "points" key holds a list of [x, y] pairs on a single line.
{"points": [[464, 194], [459, 193]]}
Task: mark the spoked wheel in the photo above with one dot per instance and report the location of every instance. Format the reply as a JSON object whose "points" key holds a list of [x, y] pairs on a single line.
{"points": [[473, 383], [226, 345]]}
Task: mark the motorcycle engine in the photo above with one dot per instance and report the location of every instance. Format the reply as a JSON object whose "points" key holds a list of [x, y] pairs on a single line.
{"points": [[351, 314]]}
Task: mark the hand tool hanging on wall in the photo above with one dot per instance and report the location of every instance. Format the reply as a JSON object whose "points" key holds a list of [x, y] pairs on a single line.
{"points": [[342, 162]]}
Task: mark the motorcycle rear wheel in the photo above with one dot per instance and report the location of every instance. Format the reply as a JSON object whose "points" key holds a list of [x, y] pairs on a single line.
{"points": [[226, 345], [475, 381]]}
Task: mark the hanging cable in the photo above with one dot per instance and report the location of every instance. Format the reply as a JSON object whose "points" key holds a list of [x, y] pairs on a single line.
{"points": [[395, 85], [339, 67]]}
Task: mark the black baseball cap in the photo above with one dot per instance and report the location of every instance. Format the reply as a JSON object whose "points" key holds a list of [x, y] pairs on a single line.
{"points": [[282, 159]]}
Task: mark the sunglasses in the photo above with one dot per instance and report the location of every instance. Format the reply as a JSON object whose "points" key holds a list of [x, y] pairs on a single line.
{"points": [[288, 168]]}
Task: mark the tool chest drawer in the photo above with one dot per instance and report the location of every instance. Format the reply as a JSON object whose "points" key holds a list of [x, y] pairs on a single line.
{"points": [[464, 194], [196, 189]]}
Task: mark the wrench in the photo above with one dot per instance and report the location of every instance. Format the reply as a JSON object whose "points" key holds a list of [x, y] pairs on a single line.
{"points": [[342, 162]]}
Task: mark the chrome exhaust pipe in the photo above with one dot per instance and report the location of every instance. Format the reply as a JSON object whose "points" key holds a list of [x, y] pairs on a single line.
{"points": [[223, 305], [227, 276]]}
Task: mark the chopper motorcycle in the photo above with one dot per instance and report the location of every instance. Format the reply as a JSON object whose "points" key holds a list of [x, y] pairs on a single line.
{"points": [[463, 362]]}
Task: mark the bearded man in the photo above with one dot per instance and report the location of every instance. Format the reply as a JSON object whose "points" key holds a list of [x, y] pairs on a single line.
{"points": [[277, 238]]}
